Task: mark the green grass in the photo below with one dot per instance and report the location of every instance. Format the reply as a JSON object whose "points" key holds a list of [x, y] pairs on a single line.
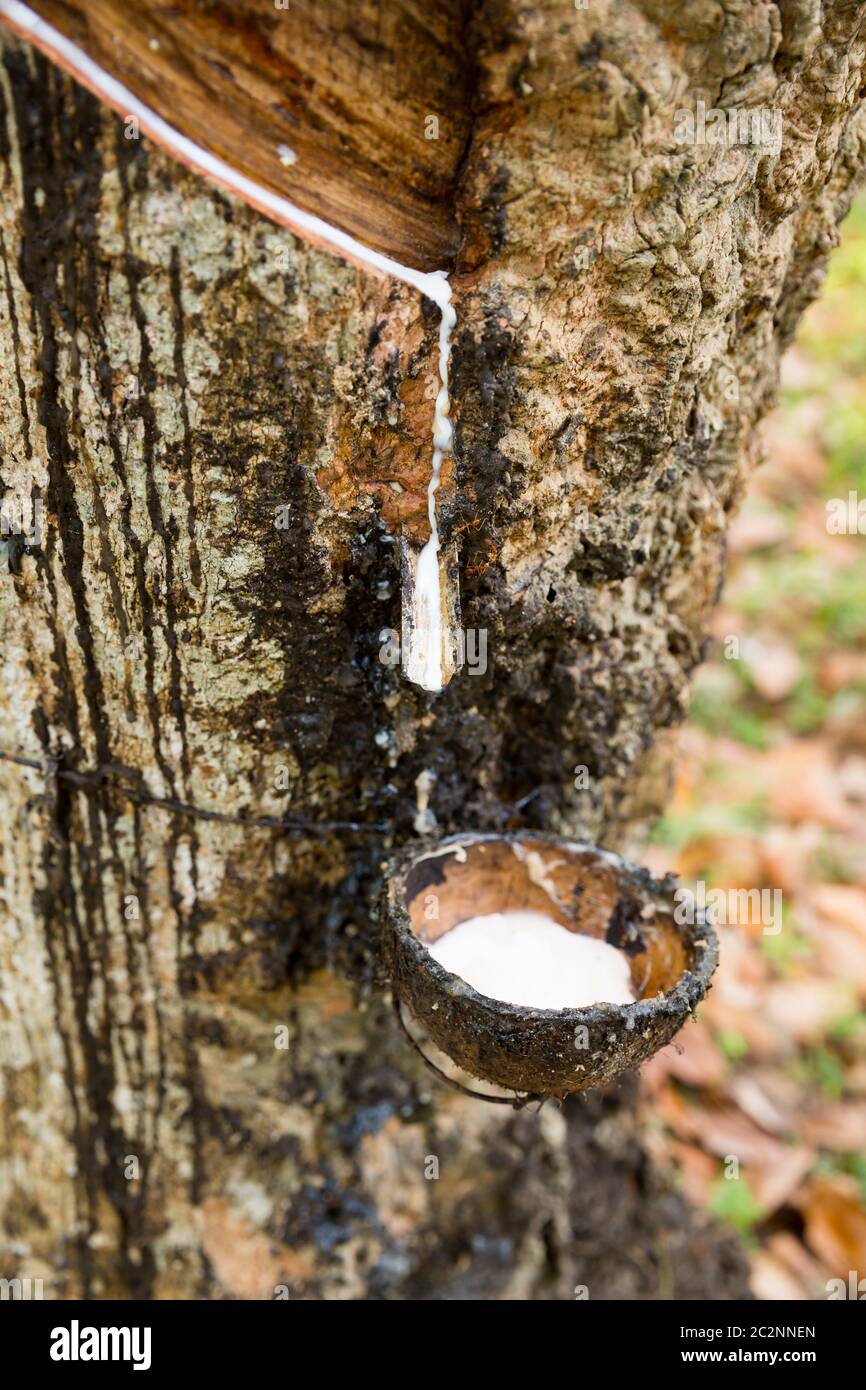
{"points": [[828, 1072], [678, 829], [786, 948], [850, 1027], [830, 333], [734, 1045], [733, 1201]]}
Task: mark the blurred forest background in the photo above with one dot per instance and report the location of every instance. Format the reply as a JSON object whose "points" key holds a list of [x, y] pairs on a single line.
{"points": [[771, 792]]}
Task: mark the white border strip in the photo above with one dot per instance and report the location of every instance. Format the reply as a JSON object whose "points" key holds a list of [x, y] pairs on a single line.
{"points": [[25, 22]]}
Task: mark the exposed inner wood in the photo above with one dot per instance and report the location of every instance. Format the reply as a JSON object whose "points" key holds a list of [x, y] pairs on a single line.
{"points": [[357, 112]]}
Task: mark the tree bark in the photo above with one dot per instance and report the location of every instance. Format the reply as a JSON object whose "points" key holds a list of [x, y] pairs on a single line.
{"points": [[206, 761]]}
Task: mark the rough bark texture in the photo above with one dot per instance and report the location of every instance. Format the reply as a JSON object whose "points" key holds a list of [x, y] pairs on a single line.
{"points": [[197, 695]]}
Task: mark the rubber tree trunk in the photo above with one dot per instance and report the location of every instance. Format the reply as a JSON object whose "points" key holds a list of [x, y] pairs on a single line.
{"points": [[207, 752]]}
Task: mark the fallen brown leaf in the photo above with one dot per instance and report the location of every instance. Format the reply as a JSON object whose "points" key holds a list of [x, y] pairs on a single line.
{"points": [[839, 1127], [835, 1223], [786, 852], [804, 786], [698, 1171], [764, 1039], [754, 530], [754, 1100], [790, 1255], [841, 903], [772, 1184], [804, 1009], [841, 668], [842, 953], [774, 666], [730, 1133], [773, 1281], [693, 1057]]}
